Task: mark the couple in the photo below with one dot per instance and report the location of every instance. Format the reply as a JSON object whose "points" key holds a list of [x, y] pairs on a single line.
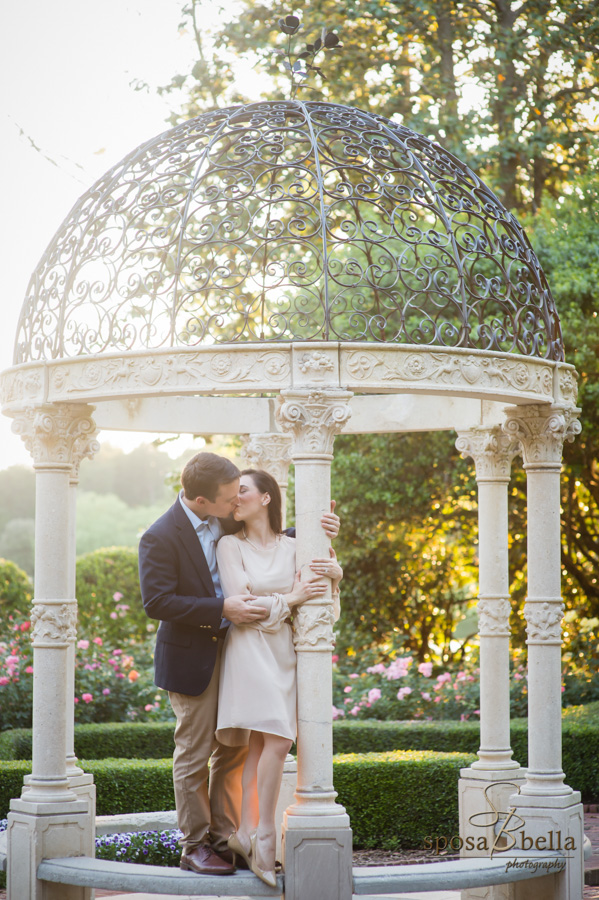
{"points": [[216, 557]]}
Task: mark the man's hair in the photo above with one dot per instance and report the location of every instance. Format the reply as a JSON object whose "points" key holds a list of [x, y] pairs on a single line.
{"points": [[204, 474], [266, 484]]}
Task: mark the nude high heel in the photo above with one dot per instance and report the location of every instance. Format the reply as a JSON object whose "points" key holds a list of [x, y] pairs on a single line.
{"points": [[268, 877], [235, 845]]}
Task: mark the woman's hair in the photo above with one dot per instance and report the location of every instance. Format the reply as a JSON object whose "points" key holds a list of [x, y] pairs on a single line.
{"points": [[266, 484]]}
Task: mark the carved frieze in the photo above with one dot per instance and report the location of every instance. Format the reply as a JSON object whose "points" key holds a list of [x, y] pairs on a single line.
{"points": [[169, 373], [493, 617], [543, 621], [313, 627], [542, 432], [461, 371], [22, 385], [491, 449], [313, 418], [270, 451], [53, 624], [60, 433]]}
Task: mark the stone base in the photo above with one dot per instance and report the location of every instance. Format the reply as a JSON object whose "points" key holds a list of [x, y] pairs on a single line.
{"points": [[33, 836], [484, 800], [317, 860]]}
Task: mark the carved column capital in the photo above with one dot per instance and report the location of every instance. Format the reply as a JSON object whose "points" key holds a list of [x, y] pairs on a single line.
{"points": [[57, 435], [541, 432], [313, 418], [270, 451], [492, 451], [313, 626]]}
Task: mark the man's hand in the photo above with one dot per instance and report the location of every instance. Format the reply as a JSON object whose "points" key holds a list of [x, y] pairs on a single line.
{"points": [[237, 609], [330, 522]]}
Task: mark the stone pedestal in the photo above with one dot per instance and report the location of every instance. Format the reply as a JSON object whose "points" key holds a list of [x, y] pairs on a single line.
{"points": [[316, 832], [50, 820]]}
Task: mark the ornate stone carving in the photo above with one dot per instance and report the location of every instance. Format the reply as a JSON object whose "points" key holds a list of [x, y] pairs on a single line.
{"points": [[493, 617], [541, 431], [270, 451], [459, 370], [54, 624], [313, 627], [57, 434], [543, 621], [314, 418], [22, 384], [171, 372], [568, 386], [317, 363], [491, 450]]}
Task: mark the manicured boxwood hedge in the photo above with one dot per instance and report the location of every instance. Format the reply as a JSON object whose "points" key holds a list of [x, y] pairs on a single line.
{"points": [[126, 740], [387, 795]]}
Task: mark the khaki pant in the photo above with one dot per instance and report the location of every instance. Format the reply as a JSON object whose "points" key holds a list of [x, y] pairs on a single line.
{"points": [[206, 815]]}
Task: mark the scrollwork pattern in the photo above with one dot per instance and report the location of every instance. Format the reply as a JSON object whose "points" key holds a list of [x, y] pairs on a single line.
{"points": [[287, 220]]}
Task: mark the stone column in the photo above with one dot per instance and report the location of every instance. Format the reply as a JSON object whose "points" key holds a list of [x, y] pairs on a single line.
{"points": [[80, 782], [317, 834], [49, 820], [495, 775], [271, 452], [546, 804]]}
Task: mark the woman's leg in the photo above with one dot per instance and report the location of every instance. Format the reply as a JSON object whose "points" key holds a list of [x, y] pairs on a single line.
{"points": [[269, 776], [249, 784]]}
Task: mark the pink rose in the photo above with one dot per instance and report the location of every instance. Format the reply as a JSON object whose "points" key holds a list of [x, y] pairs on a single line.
{"points": [[98, 641], [87, 698], [374, 695], [348, 689], [117, 596], [106, 692], [426, 669], [4, 680], [334, 658], [29, 670], [83, 645]]}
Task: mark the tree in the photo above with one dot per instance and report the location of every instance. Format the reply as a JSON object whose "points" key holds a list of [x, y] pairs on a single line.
{"points": [[505, 85], [17, 542]]}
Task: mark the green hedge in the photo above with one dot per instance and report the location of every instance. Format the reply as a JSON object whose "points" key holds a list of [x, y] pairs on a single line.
{"points": [[393, 811], [126, 740]]}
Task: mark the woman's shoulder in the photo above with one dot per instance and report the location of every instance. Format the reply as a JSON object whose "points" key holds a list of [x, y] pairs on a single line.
{"points": [[230, 541], [287, 541]]}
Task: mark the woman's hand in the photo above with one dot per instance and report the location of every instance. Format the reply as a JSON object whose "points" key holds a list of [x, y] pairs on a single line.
{"points": [[305, 590], [330, 568]]}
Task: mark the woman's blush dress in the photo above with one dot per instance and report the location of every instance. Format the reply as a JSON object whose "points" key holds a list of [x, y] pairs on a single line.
{"points": [[257, 689]]}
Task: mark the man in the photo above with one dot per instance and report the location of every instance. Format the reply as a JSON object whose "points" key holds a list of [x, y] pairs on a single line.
{"points": [[180, 586]]}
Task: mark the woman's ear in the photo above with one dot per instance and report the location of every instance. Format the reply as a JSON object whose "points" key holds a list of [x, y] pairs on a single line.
{"points": [[265, 499]]}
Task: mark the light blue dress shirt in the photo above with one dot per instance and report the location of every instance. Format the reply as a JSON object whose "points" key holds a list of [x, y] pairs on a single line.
{"points": [[208, 530]]}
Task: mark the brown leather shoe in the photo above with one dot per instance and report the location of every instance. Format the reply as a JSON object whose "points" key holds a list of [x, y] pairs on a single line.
{"points": [[205, 861], [232, 858]]}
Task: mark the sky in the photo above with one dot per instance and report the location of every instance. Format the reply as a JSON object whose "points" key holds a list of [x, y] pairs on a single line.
{"points": [[67, 70]]}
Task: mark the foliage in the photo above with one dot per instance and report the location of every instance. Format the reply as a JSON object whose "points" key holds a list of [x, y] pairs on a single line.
{"points": [[17, 542], [106, 520], [17, 494], [109, 597], [504, 85], [127, 740], [407, 542], [153, 848], [16, 590], [110, 684], [138, 478], [396, 810]]}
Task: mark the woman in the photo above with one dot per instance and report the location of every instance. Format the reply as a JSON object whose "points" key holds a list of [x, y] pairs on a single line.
{"points": [[257, 694]]}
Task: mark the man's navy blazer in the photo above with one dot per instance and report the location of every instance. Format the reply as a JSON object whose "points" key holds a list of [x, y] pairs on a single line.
{"points": [[177, 588]]}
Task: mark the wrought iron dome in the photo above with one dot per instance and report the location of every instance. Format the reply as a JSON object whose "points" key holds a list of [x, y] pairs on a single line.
{"points": [[288, 221]]}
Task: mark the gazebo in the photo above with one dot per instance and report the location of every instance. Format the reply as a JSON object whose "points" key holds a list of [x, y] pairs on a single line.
{"points": [[287, 271]]}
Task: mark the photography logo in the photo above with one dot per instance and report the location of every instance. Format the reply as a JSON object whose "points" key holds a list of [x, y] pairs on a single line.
{"points": [[509, 837]]}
